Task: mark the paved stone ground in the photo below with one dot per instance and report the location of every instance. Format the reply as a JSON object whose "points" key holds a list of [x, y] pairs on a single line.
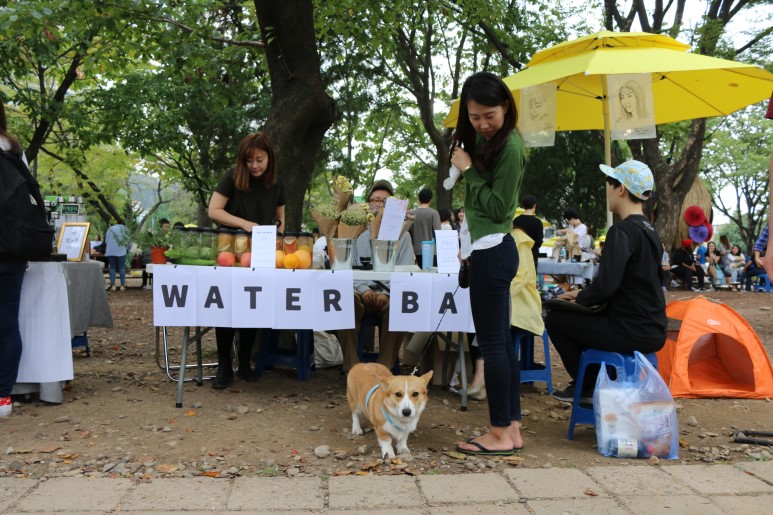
{"points": [[628, 488]]}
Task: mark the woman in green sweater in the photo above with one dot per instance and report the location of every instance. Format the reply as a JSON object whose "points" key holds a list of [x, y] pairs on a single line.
{"points": [[489, 152]]}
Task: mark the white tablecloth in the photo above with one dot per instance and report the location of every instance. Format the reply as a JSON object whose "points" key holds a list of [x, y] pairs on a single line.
{"points": [[58, 300], [550, 267]]}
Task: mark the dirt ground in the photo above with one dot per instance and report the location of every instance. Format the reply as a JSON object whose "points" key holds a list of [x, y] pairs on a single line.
{"points": [[119, 418]]}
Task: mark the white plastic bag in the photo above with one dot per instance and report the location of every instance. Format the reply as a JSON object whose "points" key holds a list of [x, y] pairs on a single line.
{"points": [[635, 417], [327, 350]]}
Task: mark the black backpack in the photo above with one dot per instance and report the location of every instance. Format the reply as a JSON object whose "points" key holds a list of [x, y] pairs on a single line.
{"points": [[25, 232]]}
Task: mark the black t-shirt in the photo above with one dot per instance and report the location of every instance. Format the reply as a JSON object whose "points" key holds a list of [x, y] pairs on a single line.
{"points": [[257, 205], [532, 226], [629, 281]]}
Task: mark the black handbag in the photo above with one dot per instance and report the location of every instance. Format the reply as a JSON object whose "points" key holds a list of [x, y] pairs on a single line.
{"points": [[464, 274]]}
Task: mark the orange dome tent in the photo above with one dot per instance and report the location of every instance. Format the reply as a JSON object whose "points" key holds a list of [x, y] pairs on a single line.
{"points": [[713, 352]]}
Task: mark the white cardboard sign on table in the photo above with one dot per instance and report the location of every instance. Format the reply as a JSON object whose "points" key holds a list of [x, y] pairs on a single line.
{"points": [[263, 246], [213, 296], [410, 302], [392, 221], [448, 298], [174, 295], [333, 301], [447, 248], [293, 299], [252, 297]]}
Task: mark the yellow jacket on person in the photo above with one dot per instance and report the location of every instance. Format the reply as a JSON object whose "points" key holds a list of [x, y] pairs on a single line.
{"points": [[525, 302]]}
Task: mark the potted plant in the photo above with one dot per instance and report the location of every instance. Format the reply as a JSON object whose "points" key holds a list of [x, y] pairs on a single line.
{"points": [[158, 242]]}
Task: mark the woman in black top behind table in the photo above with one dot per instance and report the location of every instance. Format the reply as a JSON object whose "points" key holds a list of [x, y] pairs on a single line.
{"points": [[489, 152], [250, 195], [628, 282]]}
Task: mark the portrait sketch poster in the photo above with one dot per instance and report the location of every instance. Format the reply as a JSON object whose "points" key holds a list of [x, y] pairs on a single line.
{"points": [[537, 120], [631, 108]]}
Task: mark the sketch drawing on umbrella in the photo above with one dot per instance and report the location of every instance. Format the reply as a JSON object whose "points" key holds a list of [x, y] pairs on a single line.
{"points": [[683, 85]]}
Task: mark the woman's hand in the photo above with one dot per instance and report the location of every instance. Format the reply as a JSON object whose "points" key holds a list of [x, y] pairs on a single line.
{"points": [[460, 159]]}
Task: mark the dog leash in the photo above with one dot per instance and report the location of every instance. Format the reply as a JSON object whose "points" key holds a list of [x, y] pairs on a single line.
{"points": [[427, 344]]}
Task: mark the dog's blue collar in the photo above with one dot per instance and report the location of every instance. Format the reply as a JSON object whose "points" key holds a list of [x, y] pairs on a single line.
{"points": [[383, 411]]}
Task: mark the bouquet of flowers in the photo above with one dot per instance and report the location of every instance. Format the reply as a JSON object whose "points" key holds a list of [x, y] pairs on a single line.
{"points": [[354, 220], [327, 214]]}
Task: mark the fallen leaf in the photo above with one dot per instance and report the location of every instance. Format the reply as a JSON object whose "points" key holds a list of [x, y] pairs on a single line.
{"points": [[591, 492], [167, 468], [211, 473], [457, 455], [49, 448], [370, 465], [396, 461], [342, 473], [190, 413], [683, 443], [361, 473]]}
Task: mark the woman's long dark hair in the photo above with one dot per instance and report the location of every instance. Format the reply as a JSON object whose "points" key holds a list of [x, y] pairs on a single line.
{"points": [[489, 90], [15, 145]]}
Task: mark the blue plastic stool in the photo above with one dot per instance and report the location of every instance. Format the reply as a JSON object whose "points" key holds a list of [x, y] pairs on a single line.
{"points": [[371, 357], [625, 364], [763, 283], [302, 359], [524, 353]]}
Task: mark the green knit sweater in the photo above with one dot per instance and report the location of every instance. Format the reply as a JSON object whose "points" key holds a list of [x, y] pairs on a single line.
{"points": [[491, 196]]}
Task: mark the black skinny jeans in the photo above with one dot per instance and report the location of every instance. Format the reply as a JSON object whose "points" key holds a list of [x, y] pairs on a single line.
{"points": [[572, 333], [491, 272]]}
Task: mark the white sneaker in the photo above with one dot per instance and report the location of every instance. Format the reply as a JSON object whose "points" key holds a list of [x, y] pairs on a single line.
{"points": [[5, 406], [123, 288]]}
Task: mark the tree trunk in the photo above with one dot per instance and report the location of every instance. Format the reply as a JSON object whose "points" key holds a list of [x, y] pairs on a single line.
{"points": [[301, 109]]}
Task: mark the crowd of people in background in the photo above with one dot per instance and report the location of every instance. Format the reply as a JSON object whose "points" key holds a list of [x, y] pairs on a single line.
{"points": [[713, 266]]}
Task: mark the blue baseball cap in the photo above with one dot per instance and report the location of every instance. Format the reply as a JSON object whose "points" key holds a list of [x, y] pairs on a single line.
{"points": [[634, 175]]}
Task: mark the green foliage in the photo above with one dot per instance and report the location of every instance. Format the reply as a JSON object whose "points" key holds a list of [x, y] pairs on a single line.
{"points": [[736, 159], [567, 175]]}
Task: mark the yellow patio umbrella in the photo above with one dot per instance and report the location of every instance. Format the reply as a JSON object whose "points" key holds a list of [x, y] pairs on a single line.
{"points": [[684, 85]]}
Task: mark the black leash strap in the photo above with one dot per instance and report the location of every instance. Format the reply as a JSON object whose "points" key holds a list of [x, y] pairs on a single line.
{"points": [[428, 343]]}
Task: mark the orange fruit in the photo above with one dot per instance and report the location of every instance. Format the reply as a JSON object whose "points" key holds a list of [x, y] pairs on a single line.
{"points": [[280, 259], [304, 257], [306, 248], [291, 261]]}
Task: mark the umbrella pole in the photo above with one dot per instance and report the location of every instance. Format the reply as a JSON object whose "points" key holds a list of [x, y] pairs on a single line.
{"points": [[607, 140]]}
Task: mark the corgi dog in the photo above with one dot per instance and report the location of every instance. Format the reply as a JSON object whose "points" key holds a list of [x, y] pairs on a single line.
{"points": [[393, 404]]}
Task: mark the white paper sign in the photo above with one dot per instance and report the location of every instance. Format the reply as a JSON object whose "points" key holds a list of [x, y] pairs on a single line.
{"points": [[333, 300], [448, 298], [631, 108], [410, 302], [252, 297], [293, 299], [392, 222], [174, 295], [213, 296], [447, 248], [537, 120], [263, 246]]}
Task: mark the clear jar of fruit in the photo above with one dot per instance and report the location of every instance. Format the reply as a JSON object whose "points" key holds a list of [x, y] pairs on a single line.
{"points": [[241, 242], [225, 240], [305, 242], [207, 244], [290, 242], [279, 241]]}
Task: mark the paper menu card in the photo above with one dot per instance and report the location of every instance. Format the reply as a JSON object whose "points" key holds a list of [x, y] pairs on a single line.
{"points": [[447, 249], [392, 220], [263, 246]]}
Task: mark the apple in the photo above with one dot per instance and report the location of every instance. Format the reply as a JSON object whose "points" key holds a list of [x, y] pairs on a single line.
{"points": [[226, 259], [245, 259]]}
